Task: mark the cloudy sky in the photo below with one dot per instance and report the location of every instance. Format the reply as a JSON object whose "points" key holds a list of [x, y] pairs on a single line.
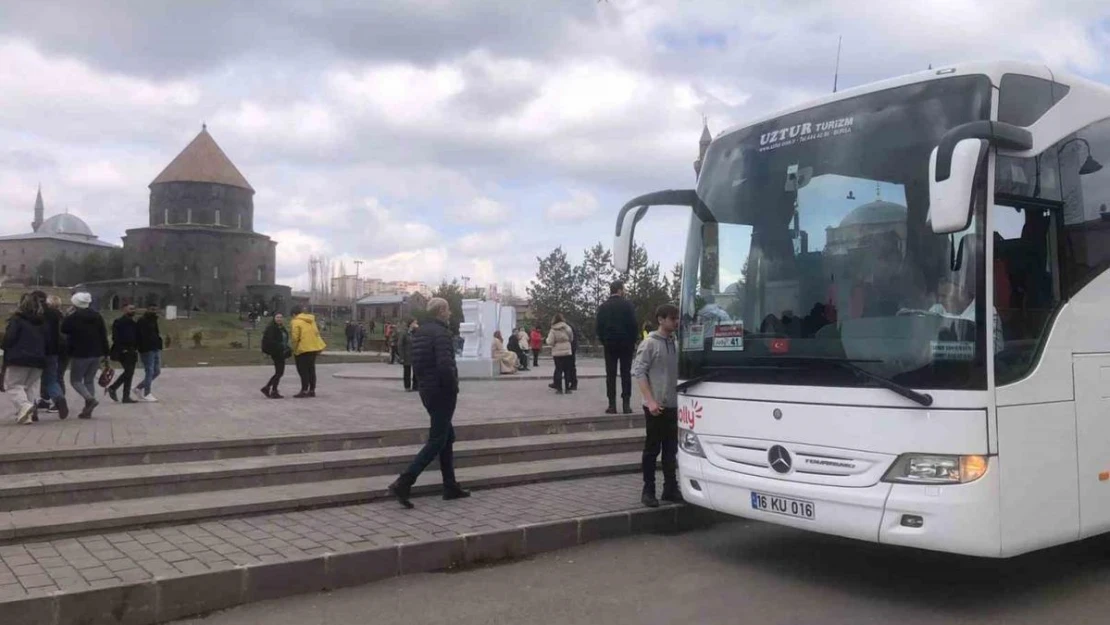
{"points": [[441, 138]]}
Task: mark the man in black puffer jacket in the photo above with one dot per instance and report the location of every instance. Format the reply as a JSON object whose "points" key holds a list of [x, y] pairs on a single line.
{"points": [[433, 362], [617, 331], [87, 339]]}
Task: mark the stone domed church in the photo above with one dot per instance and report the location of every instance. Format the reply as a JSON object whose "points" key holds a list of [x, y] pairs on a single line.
{"points": [[200, 250]]}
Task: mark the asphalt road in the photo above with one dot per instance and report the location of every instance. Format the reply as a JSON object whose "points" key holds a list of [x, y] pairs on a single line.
{"points": [[736, 573]]}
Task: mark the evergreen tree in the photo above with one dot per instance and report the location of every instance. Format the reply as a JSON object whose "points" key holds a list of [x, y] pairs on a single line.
{"points": [[453, 293], [556, 289], [596, 272], [676, 284], [645, 285]]}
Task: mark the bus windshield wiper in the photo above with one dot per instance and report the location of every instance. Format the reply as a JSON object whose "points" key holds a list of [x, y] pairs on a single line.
{"points": [[705, 377], [924, 399]]}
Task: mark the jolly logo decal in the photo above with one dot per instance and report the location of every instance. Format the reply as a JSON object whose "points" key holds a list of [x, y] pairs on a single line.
{"points": [[689, 414]]}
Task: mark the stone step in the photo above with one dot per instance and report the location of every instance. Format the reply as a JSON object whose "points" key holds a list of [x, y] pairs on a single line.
{"points": [[162, 574], [84, 458], [58, 488], [133, 513]]}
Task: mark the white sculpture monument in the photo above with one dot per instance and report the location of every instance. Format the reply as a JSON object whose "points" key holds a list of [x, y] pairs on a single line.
{"points": [[480, 320]]}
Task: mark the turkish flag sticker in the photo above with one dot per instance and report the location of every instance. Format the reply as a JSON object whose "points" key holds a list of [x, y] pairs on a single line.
{"points": [[780, 346]]}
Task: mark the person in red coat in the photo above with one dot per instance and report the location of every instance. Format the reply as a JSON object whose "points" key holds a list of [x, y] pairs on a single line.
{"points": [[535, 342]]}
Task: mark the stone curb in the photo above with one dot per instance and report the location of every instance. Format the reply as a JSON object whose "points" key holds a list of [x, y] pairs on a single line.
{"points": [[344, 375], [283, 444], [170, 598]]}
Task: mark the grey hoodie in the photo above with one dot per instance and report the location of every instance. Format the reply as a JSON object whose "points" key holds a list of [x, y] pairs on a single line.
{"points": [[657, 362]]}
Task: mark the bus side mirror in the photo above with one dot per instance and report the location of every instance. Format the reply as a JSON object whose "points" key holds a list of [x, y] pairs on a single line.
{"points": [[950, 199], [955, 163], [622, 243]]}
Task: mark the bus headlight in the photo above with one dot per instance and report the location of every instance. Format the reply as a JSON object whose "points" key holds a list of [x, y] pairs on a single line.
{"points": [[689, 443], [936, 469]]}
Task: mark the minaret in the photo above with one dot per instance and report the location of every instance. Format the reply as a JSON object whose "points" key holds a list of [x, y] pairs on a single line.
{"points": [[703, 146], [39, 209]]}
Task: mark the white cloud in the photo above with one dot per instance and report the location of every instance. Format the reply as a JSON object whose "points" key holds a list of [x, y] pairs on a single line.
{"points": [[482, 243], [582, 204], [482, 210]]}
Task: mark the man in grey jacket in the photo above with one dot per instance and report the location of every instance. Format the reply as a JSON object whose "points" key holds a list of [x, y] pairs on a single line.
{"points": [[656, 371]]}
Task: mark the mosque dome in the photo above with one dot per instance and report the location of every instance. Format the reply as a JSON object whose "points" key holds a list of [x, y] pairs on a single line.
{"points": [[877, 212], [65, 223]]}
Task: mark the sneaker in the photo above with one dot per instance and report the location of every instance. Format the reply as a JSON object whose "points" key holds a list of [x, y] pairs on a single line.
{"points": [[612, 409], [50, 407], [301, 395], [553, 385], [455, 492], [62, 408], [112, 393], [648, 498], [148, 397], [401, 491], [276, 395], [672, 494], [24, 415]]}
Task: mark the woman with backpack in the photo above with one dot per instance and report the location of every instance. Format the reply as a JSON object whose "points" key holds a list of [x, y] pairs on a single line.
{"points": [[275, 344], [24, 356]]}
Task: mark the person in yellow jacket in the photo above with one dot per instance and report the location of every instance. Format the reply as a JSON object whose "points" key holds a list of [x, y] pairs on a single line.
{"points": [[304, 338]]}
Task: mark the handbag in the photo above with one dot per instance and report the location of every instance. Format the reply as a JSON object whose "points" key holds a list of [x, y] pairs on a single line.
{"points": [[106, 375]]}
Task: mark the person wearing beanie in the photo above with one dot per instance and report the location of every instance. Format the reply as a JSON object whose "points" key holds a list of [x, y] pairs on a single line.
{"points": [[87, 341]]}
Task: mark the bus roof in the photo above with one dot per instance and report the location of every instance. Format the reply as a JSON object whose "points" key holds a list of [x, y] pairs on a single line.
{"points": [[992, 69]]}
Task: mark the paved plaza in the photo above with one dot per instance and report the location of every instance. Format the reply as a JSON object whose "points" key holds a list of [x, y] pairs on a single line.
{"points": [[221, 403]]}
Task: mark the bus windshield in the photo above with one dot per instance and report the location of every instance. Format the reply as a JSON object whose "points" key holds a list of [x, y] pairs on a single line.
{"points": [[816, 249]]}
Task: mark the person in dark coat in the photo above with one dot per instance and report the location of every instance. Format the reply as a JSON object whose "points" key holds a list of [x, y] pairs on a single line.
{"points": [[125, 351], [513, 346], [433, 361], [275, 344], [51, 387], [617, 330], [150, 352], [87, 341], [404, 350], [349, 332], [24, 348]]}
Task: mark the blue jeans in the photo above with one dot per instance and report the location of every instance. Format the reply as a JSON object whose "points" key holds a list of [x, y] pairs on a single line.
{"points": [[152, 368], [82, 376], [50, 378]]}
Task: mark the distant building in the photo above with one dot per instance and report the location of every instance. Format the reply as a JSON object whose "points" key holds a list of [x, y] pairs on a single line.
{"points": [[200, 250], [60, 236], [394, 307]]}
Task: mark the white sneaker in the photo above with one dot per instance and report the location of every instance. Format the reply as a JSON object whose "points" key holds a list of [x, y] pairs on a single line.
{"points": [[24, 416], [148, 397]]}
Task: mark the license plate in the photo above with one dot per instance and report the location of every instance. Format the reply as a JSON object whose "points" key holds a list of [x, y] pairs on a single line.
{"points": [[786, 506]]}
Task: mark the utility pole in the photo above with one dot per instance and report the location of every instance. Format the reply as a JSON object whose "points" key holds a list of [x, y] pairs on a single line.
{"points": [[466, 283], [358, 265], [836, 71]]}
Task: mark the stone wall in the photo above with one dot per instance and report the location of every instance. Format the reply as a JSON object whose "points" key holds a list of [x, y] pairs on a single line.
{"points": [[20, 258], [198, 203], [218, 265]]}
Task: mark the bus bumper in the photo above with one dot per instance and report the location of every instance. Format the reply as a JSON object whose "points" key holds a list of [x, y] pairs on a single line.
{"points": [[954, 518]]}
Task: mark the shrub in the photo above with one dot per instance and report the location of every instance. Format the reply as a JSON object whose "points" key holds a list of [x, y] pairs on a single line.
{"points": [[235, 345], [197, 337]]}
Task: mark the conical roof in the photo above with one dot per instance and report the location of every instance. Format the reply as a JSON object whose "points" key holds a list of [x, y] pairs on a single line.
{"points": [[203, 161]]}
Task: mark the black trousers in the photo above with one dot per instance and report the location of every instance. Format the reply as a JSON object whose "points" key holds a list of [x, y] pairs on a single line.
{"points": [[662, 435], [441, 438], [535, 358], [127, 360], [306, 368], [279, 370], [563, 367], [619, 355], [522, 357], [410, 379]]}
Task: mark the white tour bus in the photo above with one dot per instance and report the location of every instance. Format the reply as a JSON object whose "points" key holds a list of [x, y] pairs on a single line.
{"points": [[892, 313]]}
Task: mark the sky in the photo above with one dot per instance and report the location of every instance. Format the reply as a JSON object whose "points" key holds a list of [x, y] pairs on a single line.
{"points": [[436, 139]]}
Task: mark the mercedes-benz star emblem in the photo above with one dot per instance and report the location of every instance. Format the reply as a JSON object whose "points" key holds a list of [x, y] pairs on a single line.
{"points": [[777, 414], [779, 459]]}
